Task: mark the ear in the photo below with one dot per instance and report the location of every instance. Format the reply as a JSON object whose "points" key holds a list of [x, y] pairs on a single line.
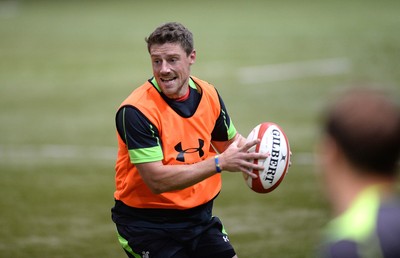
{"points": [[330, 153], [192, 57]]}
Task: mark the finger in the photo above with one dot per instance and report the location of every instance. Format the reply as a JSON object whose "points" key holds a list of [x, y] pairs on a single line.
{"points": [[257, 155], [249, 172], [250, 169], [250, 144]]}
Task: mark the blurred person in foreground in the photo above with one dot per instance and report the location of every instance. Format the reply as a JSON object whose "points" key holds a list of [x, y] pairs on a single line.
{"points": [[359, 154], [168, 170]]}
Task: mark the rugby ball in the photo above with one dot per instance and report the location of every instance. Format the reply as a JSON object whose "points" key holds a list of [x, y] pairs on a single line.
{"points": [[273, 141]]}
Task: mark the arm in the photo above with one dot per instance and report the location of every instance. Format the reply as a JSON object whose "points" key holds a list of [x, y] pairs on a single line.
{"points": [[221, 146], [163, 178]]}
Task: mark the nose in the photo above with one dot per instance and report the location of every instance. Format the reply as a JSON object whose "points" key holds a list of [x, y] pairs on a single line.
{"points": [[165, 68]]}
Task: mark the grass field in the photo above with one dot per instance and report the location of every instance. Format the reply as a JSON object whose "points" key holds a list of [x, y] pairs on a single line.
{"points": [[66, 65]]}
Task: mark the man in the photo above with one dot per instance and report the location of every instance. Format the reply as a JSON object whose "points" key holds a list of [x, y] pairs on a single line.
{"points": [[359, 156], [168, 171]]}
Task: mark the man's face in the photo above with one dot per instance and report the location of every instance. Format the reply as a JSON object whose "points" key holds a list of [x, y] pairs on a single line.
{"points": [[171, 68]]}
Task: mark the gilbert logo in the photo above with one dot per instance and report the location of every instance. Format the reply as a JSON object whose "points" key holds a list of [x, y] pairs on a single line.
{"points": [[181, 153], [274, 161]]}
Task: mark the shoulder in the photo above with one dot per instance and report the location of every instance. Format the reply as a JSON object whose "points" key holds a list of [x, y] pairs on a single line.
{"points": [[208, 89], [204, 85], [200, 81], [388, 226], [131, 120]]}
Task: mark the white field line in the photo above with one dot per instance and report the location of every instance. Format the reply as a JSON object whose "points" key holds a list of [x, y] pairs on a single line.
{"points": [[294, 70], [32, 154]]}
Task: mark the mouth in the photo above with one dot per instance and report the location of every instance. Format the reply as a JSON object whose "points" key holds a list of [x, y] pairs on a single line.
{"points": [[168, 79]]}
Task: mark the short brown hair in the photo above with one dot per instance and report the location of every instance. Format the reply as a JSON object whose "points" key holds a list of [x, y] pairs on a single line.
{"points": [[171, 32], [365, 123]]}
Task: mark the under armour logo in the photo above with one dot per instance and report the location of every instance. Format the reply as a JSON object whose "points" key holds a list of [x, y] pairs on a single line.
{"points": [[226, 239], [145, 254], [180, 156]]}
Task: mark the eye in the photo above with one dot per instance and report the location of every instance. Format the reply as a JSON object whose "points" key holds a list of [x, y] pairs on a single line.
{"points": [[173, 60]]}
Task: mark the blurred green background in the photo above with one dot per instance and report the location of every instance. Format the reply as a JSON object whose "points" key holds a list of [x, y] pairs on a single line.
{"points": [[65, 66]]}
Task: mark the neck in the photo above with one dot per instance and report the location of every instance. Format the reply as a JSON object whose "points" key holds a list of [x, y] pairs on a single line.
{"points": [[353, 185], [184, 97]]}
